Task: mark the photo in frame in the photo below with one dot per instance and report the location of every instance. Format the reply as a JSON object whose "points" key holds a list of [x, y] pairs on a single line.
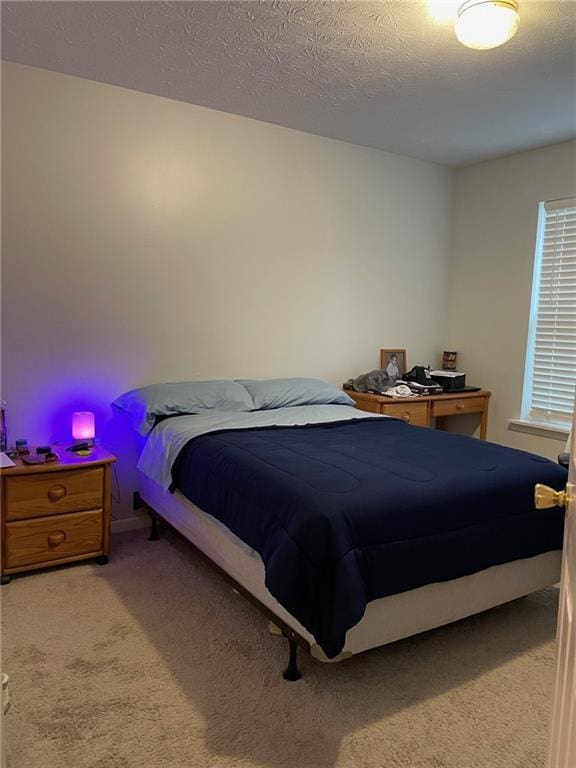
{"points": [[449, 361], [394, 362]]}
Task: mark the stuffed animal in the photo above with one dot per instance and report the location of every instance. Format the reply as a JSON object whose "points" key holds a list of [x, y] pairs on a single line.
{"points": [[373, 381]]}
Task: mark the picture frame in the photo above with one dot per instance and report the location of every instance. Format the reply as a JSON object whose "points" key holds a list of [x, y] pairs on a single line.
{"points": [[394, 361]]}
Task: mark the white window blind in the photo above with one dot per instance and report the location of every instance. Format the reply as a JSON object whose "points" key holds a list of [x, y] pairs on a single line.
{"points": [[551, 356]]}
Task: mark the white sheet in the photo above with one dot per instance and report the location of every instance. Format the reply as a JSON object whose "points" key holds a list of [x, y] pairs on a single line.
{"points": [[169, 437]]}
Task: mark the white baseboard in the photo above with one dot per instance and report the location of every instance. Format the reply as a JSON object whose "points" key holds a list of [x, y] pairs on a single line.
{"points": [[130, 523]]}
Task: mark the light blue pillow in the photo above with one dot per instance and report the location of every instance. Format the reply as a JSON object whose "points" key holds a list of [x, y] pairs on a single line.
{"points": [[146, 404], [283, 393]]}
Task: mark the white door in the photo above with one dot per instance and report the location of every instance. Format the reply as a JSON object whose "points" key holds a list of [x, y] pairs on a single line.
{"points": [[562, 752]]}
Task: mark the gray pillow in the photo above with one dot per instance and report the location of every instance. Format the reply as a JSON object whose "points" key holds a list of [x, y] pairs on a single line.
{"points": [[282, 393], [146, 404]]}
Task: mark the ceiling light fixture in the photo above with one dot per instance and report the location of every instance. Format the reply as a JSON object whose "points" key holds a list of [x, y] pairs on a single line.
{"points": [[484, 24]]}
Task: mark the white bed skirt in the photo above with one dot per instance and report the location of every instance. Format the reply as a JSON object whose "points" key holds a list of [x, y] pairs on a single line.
{"points": [[385, 620]]}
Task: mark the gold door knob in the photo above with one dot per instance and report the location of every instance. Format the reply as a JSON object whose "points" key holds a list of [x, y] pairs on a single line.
{"points": [[546, 497]]}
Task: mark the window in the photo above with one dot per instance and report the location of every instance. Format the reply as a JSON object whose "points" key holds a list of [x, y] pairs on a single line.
{"points": [[550, 375]]}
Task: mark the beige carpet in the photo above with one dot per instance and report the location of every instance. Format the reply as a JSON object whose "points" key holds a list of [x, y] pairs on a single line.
{"points": [[153, 662]]}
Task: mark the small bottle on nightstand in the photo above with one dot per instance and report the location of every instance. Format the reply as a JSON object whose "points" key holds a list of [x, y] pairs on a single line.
{"points": [[3, 431]]}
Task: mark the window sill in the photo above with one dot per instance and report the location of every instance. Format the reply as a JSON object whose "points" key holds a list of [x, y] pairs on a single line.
{"points": [[554, 431]]}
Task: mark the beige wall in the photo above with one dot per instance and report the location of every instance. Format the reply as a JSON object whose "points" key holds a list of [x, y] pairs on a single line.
{"points": [[494, 231], [146, 239]]}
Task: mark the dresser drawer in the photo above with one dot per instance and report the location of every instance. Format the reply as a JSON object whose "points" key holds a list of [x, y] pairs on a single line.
{"points": [[411, 413], [452, 407], [52, 493], [28, 542]]}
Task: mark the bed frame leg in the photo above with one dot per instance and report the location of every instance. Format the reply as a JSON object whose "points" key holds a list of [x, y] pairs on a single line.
{"points": [[154, 534], [292, 672]]}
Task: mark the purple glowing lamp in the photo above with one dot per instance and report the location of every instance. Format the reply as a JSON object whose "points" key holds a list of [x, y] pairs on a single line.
{"points": [[83, 427]]}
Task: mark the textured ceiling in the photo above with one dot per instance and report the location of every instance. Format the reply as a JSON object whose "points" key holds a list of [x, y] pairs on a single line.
{"points": [[381, 74]]}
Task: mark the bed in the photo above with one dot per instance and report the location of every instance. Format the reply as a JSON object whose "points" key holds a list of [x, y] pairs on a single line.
{"points": [[348, 530]]}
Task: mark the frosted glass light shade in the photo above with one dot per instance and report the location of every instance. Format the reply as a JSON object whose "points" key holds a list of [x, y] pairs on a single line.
{"points": [[484, 24], [83, 426]]}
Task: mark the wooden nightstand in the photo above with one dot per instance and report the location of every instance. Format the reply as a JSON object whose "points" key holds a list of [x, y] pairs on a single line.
{"points": [[421, 410], [56, 513]]}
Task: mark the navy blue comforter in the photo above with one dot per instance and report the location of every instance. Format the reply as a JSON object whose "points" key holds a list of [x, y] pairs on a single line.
{"points": [[348, 512]]}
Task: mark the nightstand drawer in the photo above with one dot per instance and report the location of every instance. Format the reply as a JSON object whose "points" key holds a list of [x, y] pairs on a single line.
{"points": [[48, 539], [52, 493], [464, 405], [411, 413]]}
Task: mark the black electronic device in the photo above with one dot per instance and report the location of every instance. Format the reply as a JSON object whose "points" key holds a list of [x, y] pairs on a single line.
{"points": [[419, 378], [79, 447], [449, 380]]}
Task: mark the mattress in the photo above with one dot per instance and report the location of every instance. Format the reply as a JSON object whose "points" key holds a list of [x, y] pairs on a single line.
{"points": [[385, 620]]}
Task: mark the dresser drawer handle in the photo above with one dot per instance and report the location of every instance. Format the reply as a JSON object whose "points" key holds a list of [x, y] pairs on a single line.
{"points": [[406, 417], [55, 539], [459, 406], [57, 492]]}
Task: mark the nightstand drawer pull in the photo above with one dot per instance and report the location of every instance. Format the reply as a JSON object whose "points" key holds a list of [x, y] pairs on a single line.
{"points": [[459, 406], [54, 539], [57, 492], [406, 416]]}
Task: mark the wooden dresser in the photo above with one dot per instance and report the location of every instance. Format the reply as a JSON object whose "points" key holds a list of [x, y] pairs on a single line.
{"points": [[55, 513], [420, 411]]}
